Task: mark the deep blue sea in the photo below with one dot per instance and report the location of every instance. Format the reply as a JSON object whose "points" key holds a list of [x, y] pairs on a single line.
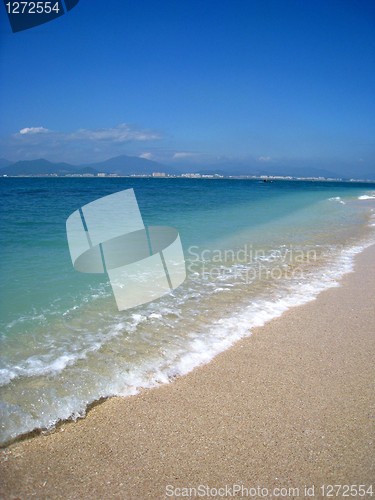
{"points": [[252, 250]]}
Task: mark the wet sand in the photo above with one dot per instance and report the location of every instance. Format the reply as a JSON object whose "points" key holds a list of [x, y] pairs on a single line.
{"points": [[291, 406]]}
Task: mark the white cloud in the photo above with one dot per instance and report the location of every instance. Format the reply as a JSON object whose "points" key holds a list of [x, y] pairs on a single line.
{"points": [[264, 158], [33, 130], [121, 133], [183, 154], [82, 145], [147, 156]]}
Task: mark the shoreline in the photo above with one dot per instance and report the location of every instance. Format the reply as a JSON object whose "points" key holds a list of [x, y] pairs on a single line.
{"points": [[271, 411], [192, 175], [271, 309]]}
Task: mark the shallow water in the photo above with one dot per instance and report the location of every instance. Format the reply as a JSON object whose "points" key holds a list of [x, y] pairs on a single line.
{"points": [[252, 251]]}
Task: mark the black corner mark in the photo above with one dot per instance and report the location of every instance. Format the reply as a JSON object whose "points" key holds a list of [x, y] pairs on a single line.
{"points": [[24, 15]]}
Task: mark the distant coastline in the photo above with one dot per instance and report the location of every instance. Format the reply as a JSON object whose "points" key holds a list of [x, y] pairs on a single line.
{"points": [[189, 175], [134, 166]]}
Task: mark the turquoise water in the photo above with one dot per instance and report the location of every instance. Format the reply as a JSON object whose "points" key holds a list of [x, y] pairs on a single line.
{"points": [[252, 250]]}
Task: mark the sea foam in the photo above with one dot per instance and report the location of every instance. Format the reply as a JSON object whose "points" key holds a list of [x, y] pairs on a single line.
{"points": [[198, 348]]}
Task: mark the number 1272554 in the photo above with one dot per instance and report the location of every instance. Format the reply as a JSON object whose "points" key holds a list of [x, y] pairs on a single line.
{"points": [[32, 7]]}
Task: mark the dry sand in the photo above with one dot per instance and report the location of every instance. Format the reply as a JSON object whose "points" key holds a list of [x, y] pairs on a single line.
{"points": [[293, 405]]}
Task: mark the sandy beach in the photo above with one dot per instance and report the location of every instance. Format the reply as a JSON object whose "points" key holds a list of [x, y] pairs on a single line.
{"points": [[292, 406]]}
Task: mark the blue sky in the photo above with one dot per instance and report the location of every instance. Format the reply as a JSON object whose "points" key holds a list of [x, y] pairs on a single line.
{"points": [[276, 82]]}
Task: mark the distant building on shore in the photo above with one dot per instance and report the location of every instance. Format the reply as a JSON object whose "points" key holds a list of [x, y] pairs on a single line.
{"points": [[192, 176], [159, 174]]}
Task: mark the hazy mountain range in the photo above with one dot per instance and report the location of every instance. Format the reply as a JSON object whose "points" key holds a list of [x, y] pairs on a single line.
{"points": [[128, 165], [121, 165]]}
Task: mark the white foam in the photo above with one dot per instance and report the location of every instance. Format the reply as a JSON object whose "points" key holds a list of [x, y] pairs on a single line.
{"points": [[199, 348], [225, 332], [337, 198], [43, 365], [366, 197], [63, 354], [155, 316]]}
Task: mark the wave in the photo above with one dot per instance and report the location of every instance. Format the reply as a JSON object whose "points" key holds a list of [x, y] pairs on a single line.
{"points": [[198, 347], [337, 198], [61, 356]]}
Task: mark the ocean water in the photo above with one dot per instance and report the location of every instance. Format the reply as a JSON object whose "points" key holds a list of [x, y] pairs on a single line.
{"points": [[252, 251]]}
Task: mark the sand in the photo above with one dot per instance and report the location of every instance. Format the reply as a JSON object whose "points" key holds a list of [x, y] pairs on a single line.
{"points": [[289, 407]]}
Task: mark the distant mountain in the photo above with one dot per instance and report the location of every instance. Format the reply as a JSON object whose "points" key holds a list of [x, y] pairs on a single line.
{"points": [[239, 168], [127, 165], [42, 167], [365, 174], [4, 163], [301, 172], [121, 165]]}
